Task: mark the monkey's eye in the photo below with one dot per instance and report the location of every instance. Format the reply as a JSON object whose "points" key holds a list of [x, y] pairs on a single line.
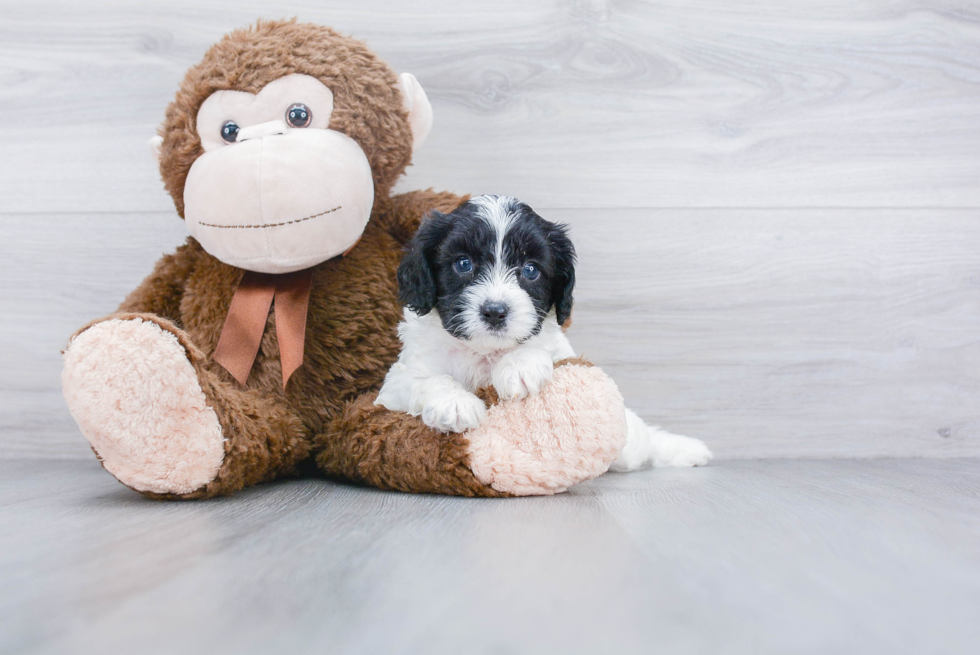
{"points": [[530, 271], [463, 265], [299, 115], [229, 132]]}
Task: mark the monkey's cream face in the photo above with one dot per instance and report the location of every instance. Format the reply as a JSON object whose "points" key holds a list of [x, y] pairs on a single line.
{"points": [[276, 190]]}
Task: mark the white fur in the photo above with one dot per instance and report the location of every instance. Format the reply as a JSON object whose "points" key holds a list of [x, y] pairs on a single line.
{"points": [[419, 382], [437, 374], [495, 211], [445, 405], [522, 371], [499, 285], [649, 445]]}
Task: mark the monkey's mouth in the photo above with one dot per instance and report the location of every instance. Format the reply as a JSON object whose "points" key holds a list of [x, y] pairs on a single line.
{"points": [[262, 225]]}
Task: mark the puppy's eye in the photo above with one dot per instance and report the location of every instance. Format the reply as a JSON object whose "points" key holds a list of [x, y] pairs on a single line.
{"points": [[298, 115], [463, 265], [229, 132], [530, 271]]}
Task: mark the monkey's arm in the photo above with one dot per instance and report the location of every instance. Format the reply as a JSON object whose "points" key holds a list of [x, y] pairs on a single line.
{"points": [[392, 450], [163, 289], [571, 431], [401, 214]]}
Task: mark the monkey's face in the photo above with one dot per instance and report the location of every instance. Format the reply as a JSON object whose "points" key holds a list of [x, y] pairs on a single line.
{"points": [[276, 190]]}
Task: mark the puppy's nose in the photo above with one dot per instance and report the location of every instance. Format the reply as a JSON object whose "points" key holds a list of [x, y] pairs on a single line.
{"points": [[494, 313]]}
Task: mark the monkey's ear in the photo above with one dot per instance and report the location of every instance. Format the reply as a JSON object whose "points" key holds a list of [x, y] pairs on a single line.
{"points": [[417, 105], [155, 144]]}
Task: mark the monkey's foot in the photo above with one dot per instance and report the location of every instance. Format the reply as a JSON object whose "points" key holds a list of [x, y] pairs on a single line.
{"points": [[137, 399], [569, 432]]}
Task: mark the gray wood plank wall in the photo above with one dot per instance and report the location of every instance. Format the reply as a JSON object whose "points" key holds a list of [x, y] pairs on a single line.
{"points": [[776, 204]]}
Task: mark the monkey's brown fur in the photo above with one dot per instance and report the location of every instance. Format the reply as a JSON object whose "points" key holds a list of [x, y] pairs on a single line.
{"points": [[326, 415], [367, 104], [392, 450], [353, 312]]}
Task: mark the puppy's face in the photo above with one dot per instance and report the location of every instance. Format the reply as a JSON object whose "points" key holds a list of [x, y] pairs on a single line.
{"points": [[492, 268]]}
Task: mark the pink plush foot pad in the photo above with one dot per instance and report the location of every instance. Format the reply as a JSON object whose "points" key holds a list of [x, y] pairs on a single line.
{"points": [[137, 400], [570, 432]]}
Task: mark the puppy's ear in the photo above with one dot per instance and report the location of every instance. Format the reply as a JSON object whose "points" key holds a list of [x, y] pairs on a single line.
{"points": [[564, 277], [416, 288], [416, 282]]}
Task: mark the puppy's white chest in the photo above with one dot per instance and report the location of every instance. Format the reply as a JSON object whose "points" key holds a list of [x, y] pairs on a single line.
{"points": [[473, 370]]}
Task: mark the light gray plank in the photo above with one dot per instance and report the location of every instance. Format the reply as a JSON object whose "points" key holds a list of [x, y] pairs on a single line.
{"points": [[778, 333], [808, 333], [740, 557], [56, 275], [567, 104]]}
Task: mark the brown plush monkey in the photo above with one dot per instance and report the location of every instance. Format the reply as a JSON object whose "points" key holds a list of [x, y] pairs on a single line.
{"points": [[280, 150]]}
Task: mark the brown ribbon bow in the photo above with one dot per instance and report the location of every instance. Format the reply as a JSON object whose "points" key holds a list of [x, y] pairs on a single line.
{"points": [[241, 335]]}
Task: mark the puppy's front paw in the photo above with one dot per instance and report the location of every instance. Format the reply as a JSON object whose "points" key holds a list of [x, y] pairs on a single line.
{"points": [[522, 372], [453, 411]]}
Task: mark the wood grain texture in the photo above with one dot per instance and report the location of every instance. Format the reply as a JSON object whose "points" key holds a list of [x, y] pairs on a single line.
{"points": [[776, 333], [828, 333], [741, 557], [757, 309], [566, 104], [789, 330]]}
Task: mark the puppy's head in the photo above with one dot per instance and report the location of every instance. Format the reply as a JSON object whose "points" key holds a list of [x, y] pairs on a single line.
{"points": [[492, 268]]}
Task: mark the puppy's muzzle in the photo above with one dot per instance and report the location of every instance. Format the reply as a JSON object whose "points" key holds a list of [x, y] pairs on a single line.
{"points": [[494, 314]]}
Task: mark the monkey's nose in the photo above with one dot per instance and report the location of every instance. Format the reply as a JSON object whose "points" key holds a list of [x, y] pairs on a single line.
{"points": [[494, 313], [262, 129]]}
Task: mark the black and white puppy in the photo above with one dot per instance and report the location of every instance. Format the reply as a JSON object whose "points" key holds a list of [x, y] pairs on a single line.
{"points": [[500, 279]]}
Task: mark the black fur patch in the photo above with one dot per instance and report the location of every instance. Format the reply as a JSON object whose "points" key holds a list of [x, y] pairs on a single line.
{"points": [[427, 278]]}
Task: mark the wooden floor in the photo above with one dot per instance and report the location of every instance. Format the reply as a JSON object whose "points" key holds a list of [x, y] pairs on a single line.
{"points": [[753, 557]]}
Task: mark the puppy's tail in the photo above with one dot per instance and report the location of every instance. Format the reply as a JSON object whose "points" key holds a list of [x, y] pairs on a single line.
{"points": [[650, 446]]}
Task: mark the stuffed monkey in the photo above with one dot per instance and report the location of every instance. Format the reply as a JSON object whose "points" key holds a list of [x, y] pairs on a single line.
{"points": [[256, 350]]}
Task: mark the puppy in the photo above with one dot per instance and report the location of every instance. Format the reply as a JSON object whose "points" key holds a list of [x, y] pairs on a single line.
{"points": [[500, 278]]}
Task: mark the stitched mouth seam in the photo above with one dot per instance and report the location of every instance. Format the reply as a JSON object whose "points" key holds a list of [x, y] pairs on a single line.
{"points": [[298, 220]]}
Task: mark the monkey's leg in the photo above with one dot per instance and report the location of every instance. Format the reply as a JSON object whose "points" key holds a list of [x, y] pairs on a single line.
{"points": [[569, 432], [162, 423]]}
